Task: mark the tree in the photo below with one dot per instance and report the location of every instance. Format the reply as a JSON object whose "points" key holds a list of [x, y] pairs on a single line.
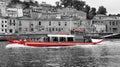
{"points": [[92, 13], [66, 3], [57, 4], [15, 1], [36, 2], [87, 10], [118, 15], [79, 5], [102, 10]]}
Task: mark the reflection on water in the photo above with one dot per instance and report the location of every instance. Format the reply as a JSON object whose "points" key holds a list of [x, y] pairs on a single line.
{"points": [[102, 55]]}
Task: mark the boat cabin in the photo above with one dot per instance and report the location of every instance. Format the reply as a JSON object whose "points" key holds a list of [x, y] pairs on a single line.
{"points": [[60, 38], [64, 38]]}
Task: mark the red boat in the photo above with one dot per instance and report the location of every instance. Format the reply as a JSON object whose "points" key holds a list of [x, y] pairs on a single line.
{"points": [[56, 40]]}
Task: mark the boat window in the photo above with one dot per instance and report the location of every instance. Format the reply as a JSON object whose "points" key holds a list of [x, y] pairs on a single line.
{"points": [[55, 39], [70, 39], [62, 39]]}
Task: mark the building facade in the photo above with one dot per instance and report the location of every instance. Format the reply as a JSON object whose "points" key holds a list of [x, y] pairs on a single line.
{"points": [[3, 25], [112, 25], [71, 12], [12, 25], [14, 12], [3, 12], [41, 19], [46, 26], [108, 24], [41, 12]]}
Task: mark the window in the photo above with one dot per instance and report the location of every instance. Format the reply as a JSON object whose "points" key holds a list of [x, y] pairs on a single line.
{"points": [[10, 22], [115, 30], [5, 21], [31, 24], [59, 29], [39, 23], [59, 23], [2, 21], [5, 25], [32, 29], [50, 23], [65, 23], [62, 39], [92, 22], [2, 29], [20, 29], [113, 23], [116, 23], [20, 23], [2, 25], [43, 29], [10, 30], [110, 22], [70, 39], [55, 39], [14, 21], [52, 29], [14, 24]]}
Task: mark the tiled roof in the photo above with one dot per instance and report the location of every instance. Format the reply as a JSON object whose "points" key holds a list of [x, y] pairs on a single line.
{"points": [[54, 19]]}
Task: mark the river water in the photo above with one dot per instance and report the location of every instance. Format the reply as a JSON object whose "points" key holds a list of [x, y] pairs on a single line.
{"points": [[106, 54]]}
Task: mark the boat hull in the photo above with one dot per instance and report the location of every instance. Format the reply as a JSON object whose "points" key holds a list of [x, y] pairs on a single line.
{"points": [[48, 44]]}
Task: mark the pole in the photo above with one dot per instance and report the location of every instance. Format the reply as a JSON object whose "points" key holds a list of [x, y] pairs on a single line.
{"points": [[70, 25]]}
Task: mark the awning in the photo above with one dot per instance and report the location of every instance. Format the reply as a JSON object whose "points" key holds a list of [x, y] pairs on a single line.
{"points": [[78, 30]]}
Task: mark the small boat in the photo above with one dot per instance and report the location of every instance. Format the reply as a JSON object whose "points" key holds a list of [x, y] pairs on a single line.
{"points": [[56, 40], [112, 36]]}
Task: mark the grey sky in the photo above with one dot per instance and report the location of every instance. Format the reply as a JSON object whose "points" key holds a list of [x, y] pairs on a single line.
{"points": [[112, 6]]}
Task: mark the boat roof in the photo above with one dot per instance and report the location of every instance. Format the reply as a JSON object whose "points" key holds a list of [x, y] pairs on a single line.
{"points": [[57, 35]]}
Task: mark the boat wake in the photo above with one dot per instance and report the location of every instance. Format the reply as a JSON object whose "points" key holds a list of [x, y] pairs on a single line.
{"points": [[85, 46], [17, 46], [24, 46]]}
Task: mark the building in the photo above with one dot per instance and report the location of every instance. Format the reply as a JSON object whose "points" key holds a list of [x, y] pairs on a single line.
{"points": [[109, 24], [3, 9], [3, 25], [27, 25], [12, 25], [39, 12], [33, 12], [71, 13], [112, 25], [14, 12], [46, 19], [99, 28], [46, 11], [43, 19], [29, 0]]}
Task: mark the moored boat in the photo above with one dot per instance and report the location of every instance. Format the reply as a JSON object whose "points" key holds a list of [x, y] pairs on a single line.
{"points": [[57, 40]]}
